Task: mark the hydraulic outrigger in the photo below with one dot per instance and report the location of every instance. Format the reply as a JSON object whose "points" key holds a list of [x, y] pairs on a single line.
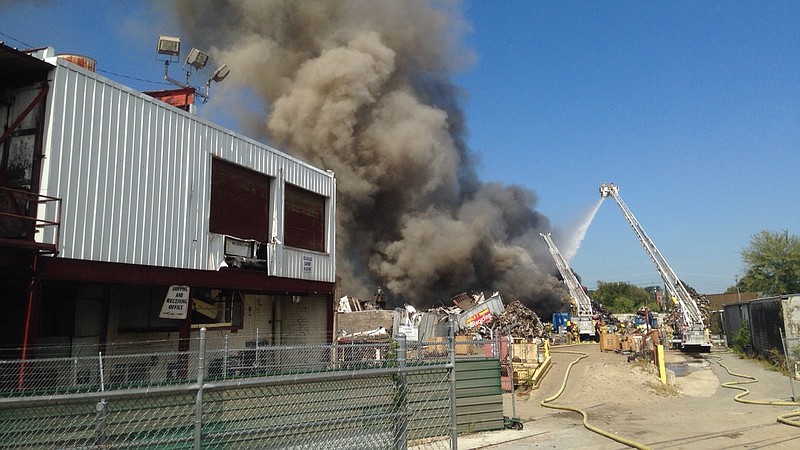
{"points": [[580, 300], [693, 333]]}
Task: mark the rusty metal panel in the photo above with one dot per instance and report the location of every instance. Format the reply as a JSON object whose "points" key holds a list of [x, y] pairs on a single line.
{"points": [[135, 175], [791, 316], [239, 201], [304, 219]]}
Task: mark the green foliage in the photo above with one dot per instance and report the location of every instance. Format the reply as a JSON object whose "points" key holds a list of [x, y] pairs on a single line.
{"points": [[773, 264], [731, 290], [741, 340], [621, 297], [715, 323]]}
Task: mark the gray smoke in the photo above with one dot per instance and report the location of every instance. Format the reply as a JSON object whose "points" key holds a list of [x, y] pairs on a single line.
{"points": [[363, 88]]}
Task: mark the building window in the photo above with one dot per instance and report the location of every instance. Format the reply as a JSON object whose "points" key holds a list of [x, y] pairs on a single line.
{"points": [[239, 201], [304, 219], [217, 308], [139, 308]]}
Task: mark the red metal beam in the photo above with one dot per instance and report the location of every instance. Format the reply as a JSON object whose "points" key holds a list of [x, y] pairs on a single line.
{"points": [[24, 113], [62, 269]]}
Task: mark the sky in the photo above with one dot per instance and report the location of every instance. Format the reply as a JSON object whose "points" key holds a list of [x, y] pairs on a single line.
{"points": [[691, 108]]}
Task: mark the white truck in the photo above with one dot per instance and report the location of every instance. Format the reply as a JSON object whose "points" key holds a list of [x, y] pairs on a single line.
{"points": [[693, 334], [581, 303]]}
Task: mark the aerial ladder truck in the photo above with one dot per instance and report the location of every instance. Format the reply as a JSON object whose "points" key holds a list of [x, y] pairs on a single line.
{"points": [[693, 333], [582, 304]]}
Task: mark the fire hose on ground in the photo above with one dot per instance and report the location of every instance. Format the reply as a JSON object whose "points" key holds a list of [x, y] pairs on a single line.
{"points": [[546, 403], [783, 418]]}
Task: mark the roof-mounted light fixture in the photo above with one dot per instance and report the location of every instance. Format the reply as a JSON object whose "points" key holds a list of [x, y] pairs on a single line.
{"points": [[171, 46], [220, 73], [197, 59]]}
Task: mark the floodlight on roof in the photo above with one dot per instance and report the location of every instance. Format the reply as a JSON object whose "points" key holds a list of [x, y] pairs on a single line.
{"points": [[220, 73], [197, 59], [218, 76], [169, 45]]}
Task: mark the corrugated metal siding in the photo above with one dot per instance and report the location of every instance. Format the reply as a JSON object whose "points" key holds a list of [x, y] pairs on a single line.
{"points": [[766, 321], [479, 397], [307, 265], [734, 316], [134, 175]]}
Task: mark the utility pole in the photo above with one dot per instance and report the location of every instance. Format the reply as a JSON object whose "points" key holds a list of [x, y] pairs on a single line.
{"points": [[738, 292]]}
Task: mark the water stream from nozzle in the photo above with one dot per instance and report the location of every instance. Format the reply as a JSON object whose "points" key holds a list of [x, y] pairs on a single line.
{"points": [[576, 237]]}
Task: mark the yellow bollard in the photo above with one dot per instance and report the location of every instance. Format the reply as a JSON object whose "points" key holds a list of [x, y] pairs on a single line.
{"points": [[546, 349], [662, 370]]}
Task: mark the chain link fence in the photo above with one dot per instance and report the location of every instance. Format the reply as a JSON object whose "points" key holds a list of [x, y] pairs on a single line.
{"points": [[357, 395]]}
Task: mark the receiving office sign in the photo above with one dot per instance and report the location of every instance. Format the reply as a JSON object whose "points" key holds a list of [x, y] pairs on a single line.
{"points": [[176, 304]]}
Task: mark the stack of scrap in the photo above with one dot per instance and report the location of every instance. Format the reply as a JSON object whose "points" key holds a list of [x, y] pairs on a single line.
{"points": [[349, 303], [675, 317], [602, 314], [524, 323], [463, 301], [702, 305], [376, 334]]}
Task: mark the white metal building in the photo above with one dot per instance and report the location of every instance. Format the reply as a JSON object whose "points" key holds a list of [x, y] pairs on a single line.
{"points": [[108, 197]]}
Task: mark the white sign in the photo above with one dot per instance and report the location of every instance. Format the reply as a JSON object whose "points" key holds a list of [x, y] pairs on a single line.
{"points": [[176, 304], [411, 332], [307, 264]]}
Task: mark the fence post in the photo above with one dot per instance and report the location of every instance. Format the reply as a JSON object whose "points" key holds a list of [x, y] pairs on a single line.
{"points": [[788, 367], [511, 373], [401, 429], [198, 403], [225, 359], [257, 360], [451, 344], [100, 407]]}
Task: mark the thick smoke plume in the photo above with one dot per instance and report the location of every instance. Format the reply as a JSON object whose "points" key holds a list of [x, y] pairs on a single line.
{"points": [[363, 88]]}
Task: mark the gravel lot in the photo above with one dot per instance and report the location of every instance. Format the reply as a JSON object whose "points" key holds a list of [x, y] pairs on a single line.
{"points": [[692, 411]]}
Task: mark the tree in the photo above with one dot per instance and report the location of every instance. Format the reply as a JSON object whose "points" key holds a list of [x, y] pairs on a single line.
{"points": [[620, 297], [772, 264]]}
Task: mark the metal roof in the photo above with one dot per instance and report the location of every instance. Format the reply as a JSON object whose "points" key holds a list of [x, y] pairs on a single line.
{"points": [[17, 68]]}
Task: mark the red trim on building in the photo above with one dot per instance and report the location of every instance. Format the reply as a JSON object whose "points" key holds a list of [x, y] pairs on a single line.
{"points": [[63, 269]]}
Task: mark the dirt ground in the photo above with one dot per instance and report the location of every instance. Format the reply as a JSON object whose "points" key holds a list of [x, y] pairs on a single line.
{"points": [[693, 410]]}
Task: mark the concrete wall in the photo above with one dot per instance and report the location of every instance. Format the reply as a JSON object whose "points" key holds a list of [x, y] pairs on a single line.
{"points": [[355, 322]]}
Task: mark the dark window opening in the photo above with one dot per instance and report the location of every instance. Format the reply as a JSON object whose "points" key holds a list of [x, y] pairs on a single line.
{"points": [[304, 219], [217, 307], [139, 308], [239, 201]]}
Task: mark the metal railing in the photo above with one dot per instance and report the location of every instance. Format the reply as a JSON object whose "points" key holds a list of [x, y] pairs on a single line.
{"points": [[23, 214]]}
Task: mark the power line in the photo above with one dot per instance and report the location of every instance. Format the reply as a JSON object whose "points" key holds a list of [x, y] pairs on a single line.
{"points": [[16, 40], [106, 72], [133, 78]]}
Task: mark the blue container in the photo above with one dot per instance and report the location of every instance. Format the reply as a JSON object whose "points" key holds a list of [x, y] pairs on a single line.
{"points": [[560, 320]]}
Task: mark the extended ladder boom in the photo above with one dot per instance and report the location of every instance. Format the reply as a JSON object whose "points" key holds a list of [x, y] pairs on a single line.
{"points": [[693, 319], [582, 301]]}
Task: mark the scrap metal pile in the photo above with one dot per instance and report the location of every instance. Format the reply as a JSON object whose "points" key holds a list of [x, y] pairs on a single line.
{"points": [[472, 315], [523, 322], [674, 317]]}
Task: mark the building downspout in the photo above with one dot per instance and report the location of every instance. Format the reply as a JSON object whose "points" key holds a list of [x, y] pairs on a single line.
{"points": [[28, 335]]}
